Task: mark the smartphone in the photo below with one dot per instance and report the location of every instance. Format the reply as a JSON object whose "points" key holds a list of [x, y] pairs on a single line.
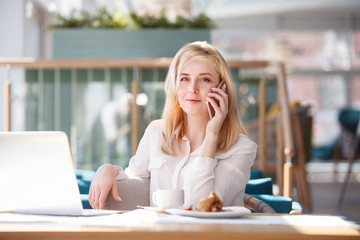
{"points": [[211, 110]]}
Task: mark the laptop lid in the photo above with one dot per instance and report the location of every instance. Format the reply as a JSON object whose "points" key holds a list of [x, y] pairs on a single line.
{"points": [[37, 174]]}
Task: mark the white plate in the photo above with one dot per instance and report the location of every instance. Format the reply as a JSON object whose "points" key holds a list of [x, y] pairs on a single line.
{"points": [[228, 212]]}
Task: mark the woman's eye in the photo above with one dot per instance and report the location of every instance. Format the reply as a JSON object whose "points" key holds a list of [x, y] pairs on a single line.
{"points": [[205, 80], [183, 79]]}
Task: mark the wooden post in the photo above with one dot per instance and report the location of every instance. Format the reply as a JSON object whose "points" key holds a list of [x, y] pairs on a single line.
{"points": [[302, 184], [7, 95], [7, 106], [287, 130], [288, 178], [135, 112], [262, 125], [279, 154]]}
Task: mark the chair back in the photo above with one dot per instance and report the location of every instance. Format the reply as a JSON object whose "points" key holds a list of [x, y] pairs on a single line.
{"points": [[257, 205]]}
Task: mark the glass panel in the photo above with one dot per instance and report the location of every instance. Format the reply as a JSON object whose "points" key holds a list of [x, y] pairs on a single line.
{"points": [[65, 101], [91, 95], [248, 92], [95, 107], [48, 121], [116, 117], [86, 98], [31, 103], [152, 96]]}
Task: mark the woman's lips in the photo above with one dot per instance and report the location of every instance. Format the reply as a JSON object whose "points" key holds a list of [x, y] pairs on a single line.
{"points": [[193, 100]]}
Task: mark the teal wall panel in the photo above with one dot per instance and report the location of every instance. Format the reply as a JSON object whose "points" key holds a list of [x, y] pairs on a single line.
{"points": [[119, 43]]}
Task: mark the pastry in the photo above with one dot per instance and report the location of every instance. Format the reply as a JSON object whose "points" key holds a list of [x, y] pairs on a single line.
{"points": [[210, 204]]}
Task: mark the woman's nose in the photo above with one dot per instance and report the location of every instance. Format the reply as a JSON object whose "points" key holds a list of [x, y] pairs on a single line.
{"points": [[194, 88]]}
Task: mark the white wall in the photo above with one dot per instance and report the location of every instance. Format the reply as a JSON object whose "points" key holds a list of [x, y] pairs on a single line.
{"points": [[12, 20], [11, 28]]}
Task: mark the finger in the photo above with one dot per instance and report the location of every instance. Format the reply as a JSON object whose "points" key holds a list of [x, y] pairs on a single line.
{"points": [[224, 95], [220, 108], [91, 197], [96, 199], [221, 91], [219, 98], [115, 192], [102, 200], [92, 201], [213, 104]]}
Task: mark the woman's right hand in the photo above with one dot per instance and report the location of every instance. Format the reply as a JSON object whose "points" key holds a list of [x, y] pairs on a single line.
{"points": [[103, 182]]}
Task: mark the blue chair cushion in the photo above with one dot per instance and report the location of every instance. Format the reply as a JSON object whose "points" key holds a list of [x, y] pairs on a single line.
{"points": [[84, 178], [84, 186], [280, 204], [84, 174], [259, 186], [349, 118], [325, 152], [256, 174], [85, 201]]}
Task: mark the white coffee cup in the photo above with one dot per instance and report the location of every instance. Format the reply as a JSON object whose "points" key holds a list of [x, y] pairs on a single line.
{"points": [[168, 198]]}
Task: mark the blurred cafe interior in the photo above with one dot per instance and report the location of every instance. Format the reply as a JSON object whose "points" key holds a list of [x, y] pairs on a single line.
{"points": [[84, 67]]}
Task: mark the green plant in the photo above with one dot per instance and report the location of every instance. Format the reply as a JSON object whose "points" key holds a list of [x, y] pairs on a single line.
{"points": [[151, 21], [77, 19], [105, 19], [82, 19], [201, 21]]}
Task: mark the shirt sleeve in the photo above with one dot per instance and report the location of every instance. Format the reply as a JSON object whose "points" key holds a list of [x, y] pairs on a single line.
{"points": [[232, 176], [139, 163], [227, 175]]}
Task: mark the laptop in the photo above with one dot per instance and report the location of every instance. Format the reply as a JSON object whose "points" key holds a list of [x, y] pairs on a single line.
{"points": [[37, 175]]}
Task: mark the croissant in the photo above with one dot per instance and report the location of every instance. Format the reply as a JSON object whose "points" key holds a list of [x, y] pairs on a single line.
{"points": [[210, 204]]}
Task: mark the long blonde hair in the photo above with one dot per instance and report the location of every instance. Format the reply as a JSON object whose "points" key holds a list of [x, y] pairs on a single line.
{"points": [[175, 117]]}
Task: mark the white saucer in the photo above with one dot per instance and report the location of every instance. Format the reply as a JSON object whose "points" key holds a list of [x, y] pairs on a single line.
{"points": [[228, 212]]}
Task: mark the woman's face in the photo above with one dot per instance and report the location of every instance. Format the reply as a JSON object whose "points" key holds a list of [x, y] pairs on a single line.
{"points": [[196, 80]]}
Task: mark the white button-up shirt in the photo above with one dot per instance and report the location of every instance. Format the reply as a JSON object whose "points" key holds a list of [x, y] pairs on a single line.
{"points": [[226, 174]]}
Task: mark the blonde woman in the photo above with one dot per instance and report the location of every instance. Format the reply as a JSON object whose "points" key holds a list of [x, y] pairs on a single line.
{"points": [[189, 149]]}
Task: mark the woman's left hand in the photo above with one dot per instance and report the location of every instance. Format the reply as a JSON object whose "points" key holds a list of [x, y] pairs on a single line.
{"points": [[221, 109]]}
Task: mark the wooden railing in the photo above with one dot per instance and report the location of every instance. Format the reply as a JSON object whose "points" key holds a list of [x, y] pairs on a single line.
{"points": [[136, 64], [109, 63]]}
